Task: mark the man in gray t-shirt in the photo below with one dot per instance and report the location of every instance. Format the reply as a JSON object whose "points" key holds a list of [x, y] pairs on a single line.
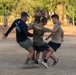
{"points": [[56, 38]]}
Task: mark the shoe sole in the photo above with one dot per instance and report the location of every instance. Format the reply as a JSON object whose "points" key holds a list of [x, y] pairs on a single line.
{"points": [[44, 65]]}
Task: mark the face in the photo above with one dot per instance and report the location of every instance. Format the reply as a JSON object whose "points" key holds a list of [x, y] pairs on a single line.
{"points": [[44, 23], [25, 18], [54, 20]]}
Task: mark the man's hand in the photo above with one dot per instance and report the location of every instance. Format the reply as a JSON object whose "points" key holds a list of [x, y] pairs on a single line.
{"points": [[3, 37], [46, 38], [62, 40], [30, 24]]}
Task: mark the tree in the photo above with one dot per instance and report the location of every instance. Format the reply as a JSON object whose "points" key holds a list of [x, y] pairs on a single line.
{"points": [[6, 6]]}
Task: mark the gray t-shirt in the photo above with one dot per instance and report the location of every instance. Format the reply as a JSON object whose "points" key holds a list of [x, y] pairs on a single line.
{"points": [[57, 36]]}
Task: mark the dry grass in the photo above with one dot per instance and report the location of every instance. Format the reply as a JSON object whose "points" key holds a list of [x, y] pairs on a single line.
{"points": [[68, 29]]}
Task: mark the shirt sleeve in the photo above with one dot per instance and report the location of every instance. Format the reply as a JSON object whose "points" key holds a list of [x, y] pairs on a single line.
{"points": [[24, 28], [46, 29], [10, 29], [56, 26]]}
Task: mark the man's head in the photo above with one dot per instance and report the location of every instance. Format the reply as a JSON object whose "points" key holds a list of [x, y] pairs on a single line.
{"points": [[24, 16], [55, 18], [44, 21]]}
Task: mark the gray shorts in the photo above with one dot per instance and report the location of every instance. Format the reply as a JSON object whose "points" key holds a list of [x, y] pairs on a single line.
{"points": [[26, 44]]}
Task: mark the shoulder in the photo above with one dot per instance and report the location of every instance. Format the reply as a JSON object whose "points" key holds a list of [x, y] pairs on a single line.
{"points": [[57, 25]]}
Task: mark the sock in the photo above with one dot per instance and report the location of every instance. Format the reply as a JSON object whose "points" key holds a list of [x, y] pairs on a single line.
{"points": [[36, 61], [45, 60], [27, 60]]}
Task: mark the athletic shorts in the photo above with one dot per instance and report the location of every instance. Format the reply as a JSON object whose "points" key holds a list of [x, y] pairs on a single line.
{"points": [[26, 44], [41, 48], [54, 46]]}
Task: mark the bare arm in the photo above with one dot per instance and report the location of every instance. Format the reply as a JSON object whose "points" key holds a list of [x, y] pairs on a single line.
{"points": [[49, 36], [62, 36], [8, 31], [56, 28]]}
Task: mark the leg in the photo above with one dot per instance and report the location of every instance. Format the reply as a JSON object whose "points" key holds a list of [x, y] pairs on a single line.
{"points": [[27, 44], [52, 56], [55, 46], [37, 57], [34, 56], [49, 52], [46, 56], [30, 55], [56, 60]]}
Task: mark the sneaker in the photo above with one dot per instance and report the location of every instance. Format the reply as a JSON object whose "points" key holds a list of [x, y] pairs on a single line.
{"points": [[45, 64], [39, 61], [32, 62], [35, 62], [56, 62]]}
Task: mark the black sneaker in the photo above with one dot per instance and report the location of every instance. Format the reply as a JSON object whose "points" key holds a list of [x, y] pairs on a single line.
{"points": [[56, 62]]}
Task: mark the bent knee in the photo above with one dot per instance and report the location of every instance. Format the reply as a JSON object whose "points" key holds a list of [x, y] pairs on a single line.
{"points": [[50, 49], [31, 50]]}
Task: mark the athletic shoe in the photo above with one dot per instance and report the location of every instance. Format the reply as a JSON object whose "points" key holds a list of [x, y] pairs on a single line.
{"points": [[45, 64], [35, 62], [56, 62], [32, 62], [39, 61]]}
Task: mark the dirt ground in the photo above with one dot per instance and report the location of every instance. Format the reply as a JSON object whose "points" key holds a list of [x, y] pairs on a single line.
{"points": [[12, 57]]}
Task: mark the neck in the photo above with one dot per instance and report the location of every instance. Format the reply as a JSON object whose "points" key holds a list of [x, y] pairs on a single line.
{"points": [[23, 19], [56, 22]]}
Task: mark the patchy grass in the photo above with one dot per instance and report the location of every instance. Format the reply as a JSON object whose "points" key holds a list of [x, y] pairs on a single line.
{"points": [[68, 29]]}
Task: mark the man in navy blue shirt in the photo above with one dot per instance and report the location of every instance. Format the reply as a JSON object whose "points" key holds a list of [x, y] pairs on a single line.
{"points": [[22, 35]]}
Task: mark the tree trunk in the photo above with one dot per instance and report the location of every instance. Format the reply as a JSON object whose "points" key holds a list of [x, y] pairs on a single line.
{"points": [[73, 20]]}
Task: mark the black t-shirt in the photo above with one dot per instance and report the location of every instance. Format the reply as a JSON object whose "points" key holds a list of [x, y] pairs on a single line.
{"points": [[21, 30]]}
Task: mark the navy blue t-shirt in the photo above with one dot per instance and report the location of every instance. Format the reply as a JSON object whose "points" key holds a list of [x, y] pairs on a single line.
{"points": [[21, 30]]}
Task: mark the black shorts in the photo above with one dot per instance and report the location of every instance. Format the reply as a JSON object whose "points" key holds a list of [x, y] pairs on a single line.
{"points": [[54, 46], [41, 48]]}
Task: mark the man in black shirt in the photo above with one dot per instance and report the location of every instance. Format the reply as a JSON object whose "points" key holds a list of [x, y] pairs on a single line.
{"points": [[21, 35]]}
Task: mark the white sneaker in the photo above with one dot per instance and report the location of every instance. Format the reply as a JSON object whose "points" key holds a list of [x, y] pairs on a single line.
{"points": [[44, 64], [39, 61]]}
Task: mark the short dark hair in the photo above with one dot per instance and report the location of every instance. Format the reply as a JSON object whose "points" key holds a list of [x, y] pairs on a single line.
{"points": [[55, 16], [24, 14], [44, 19]]}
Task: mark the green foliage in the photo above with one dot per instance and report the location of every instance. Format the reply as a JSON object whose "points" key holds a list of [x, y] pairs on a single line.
{"points": [[6, 6], [15, 7]]}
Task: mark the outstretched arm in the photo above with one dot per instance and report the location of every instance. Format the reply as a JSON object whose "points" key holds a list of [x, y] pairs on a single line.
{"points": [[8, 31], [49, 36], [56, 27]]}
